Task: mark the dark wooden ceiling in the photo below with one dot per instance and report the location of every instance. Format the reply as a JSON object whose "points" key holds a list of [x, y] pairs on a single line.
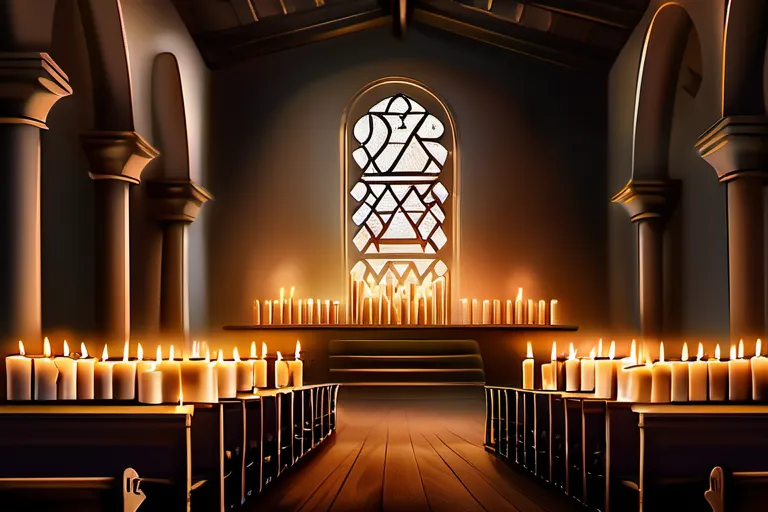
{"points": [[581, 34]]}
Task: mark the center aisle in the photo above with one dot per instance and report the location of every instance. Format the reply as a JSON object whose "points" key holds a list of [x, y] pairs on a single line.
{"points": [[403, 449]]}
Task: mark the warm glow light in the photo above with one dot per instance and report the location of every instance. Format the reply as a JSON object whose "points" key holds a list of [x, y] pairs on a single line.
{"points": [[66, 349], [292, 290], [46, 347], [741, 349], [572, 354], [298, 349], [21, 347], [83, 351], [140, 353], [235, 354], [757, 347], [159, 356], [648, 360], [733, 352], [207, 354], [717, 351], [220, 357], [125, 352], [104, 354], [612, 350], [279, 356], [263, 350], [600, 347], [195, 349], [685, 352], [633, 351], [519, 295], [253, 350], [529, 354], [661, 352], [554, 351], [181, 397], [170, 353], [700, 353], [592, 353]]}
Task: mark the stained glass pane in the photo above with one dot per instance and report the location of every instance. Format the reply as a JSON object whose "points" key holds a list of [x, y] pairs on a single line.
{"points": [[399, 227], [361, 239], [359, 190], [413, 159], [387, 203], [438, 213], [361, 214], [440, 191], [427, 225], [377, 189], [413, 203], [437, 150], [400, 190], [439, 238], [432, 128], [374, 224]]}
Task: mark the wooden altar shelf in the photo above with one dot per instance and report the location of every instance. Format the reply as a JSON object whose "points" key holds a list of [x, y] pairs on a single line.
{"points": [[619, 456], [193, 457], [404, 328]]}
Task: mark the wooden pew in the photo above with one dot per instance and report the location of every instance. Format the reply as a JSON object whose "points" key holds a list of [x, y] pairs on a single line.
{"points": [[737, 491]]}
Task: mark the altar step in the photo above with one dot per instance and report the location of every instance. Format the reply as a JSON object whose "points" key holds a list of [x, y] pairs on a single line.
{"points": [[406, 362]]}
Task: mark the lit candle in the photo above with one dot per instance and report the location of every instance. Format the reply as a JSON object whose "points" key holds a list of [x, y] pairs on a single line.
{"points": [[528, 368], [386, 311], [290, 306], [150, 385], [486, 312], [277, 313], [554, 312], [546, 377], [605, 374], [256, 312], [296, 367], [326, 312], [475, 317], [622, 374], [226, 373], [171, 371], [397, 308], [497, 318], [310, 311], [124, 377], [143, 367], [260, 369], [531, 317], [335, 305], [697, 377], [759, 374], [680, 385], [300, 312], [440, 308], [281, 315], [464, 311], [244, 373], [542, 312], [739, 375], [67, 380], [718, 377], [282, 372], [509, 317], [588, 372], [661, 379], [46, 374], [572, 372], [430, 316], [641, 381], [519, 312], [406, 309], [103, 377], [198, 380], [18, 376]]}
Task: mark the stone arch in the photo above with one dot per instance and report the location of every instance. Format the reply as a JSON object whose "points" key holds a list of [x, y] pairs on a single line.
{"points": [[169, 118], [744, 58]]}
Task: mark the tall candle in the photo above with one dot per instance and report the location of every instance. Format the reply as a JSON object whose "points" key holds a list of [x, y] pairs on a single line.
{"points": [[171, 371], [103, 377], [440, 302], [528, 368], [281, 314], [267, 318], [367, 311], [509, 317], [546, 377], [739, 375], [46, 374], [475, 317], [554, 312], [386, 311], [698, 375], [143, 367], [519, 312], [572, 372], [486, 312], [67, 381], [542, 312], [605, 375], [326, 312], [18, 376], [198, 380], [680, 385], [531, 316], [244, 373], [622, 374], [260, 369], [282, 372], [661, 379], [335, 312], [718, 377], [256, 312], [226, 373], [151, 386], [641, 381], [422, 310], [497, 318], [286, 311], [406, 311], [124, 377], [277, 317], [588, 372], [300, 312], [430, 316], [296, 367], [310, 311], [759, 374], [291, 319]]}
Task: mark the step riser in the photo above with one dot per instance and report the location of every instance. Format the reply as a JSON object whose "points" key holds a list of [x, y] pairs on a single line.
{"points": [[408, 362], [403, 347]]}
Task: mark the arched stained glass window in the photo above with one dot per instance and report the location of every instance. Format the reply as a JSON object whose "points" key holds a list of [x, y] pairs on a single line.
{"points": [[401, 208]]}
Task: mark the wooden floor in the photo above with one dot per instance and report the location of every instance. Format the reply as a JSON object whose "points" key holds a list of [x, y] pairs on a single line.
{"points": [[413, 450]]}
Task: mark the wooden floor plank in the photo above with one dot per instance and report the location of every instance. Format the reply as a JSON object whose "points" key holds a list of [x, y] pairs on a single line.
{"points": [[403, 488]]}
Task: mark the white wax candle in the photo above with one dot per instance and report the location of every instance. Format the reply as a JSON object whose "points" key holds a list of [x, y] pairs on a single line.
{"points": [[640, 382], [497, 318], [171, 371], [291, 318], [18, 376], [67, 381], [739, 375], [256, 312], [588, 372], [226, 373], [260, 369], [143, 367], [475, 317], [46, 374], [486, 312], [680, 385], [698, 375], [103, 377], [554, 312], [542, 315], [266, 318], [572, 372], [661, 379], [282, 372], [197, 381], [124, 377], [546, 377], [622, 374], [296, 368], [531, 316], [605, 375], [718, 377], [519, 311], [151, 387], [528, 368], [244, 374], [85, 374], [277, 315], [759, 375], [509, 313], [464, 311]]}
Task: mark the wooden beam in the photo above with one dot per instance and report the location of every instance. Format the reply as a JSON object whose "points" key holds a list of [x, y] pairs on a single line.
{"points": [[616, 14]]}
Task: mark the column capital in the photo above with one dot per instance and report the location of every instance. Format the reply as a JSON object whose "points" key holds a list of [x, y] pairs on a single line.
{"points": [[30, 85], [646, 199], [177, 200], [117, 155], [736, 146]]}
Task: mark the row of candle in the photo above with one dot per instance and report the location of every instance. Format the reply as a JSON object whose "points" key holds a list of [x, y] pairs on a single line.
{"points": [[713, 379], [520, 312], [194, 379], [390, 303], [288, 311]]}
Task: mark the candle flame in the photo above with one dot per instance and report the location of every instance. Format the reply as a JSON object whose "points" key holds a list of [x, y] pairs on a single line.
{"points": [[66, 349], [253, 350], [741, 349], [633, 350], [195, 349], [298, 349], [648, 360], [572, 354], [140, 353], [21, 347], [600, 347], [279, 356], [661, 352], [612, 350], [757, 347], [104, 354], [685, 352], [170, 354], [700, 353], [519, 295], [554, 351], [207, 355], [181, 397], [83, 351], [46, 347], [733, 352], [204, 348], [220, 357], [717, 351], [292, 290], [125, 352], [159, 356], [592, 353], [235, 354], [529, 354], [263, 350]]}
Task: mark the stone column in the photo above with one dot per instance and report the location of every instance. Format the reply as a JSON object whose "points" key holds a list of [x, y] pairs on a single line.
{"points": [[737, 148], [649, 204], [117, 160], [30, 85], [176, 204]]}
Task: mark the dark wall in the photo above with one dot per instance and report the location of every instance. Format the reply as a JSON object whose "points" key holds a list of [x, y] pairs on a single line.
{"points": [[532, 170]]}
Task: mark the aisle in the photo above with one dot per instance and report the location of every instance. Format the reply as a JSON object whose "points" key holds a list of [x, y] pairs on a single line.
{"points": [[408, 450]]}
